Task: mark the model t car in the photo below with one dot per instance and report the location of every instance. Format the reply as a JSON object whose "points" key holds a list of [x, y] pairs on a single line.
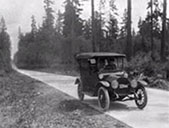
{"points": [[102, 75]]}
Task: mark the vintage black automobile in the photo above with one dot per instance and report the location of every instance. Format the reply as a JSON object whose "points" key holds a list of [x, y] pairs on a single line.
{"points": [[102, 75]]}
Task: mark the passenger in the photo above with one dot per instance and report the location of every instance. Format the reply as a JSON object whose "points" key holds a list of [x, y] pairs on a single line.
{"points": [[101, 63]]}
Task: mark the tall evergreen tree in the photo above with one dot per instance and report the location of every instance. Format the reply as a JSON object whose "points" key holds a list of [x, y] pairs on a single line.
{"points": [[72, 23], [113, 23], [20, 34], [46, 35], [123, 29], [113, 28], [5, 53], [2, 25], [49, 18], [87, 30], [145, 33], [59, 22], [34, 29], [150, 28], [153, 17]]}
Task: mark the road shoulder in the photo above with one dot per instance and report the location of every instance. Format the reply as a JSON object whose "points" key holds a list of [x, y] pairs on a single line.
{"points": [[26, 102]]}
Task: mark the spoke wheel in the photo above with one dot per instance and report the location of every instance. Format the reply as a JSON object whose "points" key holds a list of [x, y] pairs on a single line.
{"points": [[103, 98], [80, 92], [141, 97]]}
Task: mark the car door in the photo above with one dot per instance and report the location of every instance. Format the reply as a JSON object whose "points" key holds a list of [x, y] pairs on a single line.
{"points": [[88, 76]]}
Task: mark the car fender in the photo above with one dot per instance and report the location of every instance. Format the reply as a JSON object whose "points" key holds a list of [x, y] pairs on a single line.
{"points": [[77, 81], [142, 82], [105, 83]]}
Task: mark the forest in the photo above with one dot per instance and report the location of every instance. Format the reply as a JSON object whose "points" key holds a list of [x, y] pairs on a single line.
{"points": [[40, 96], [60, 37]]}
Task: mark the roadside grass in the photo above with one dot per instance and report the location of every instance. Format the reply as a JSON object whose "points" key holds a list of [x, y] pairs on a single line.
{"points": [[28, 103]]}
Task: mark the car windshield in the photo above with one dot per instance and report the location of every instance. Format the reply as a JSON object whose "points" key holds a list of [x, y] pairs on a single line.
{"points": [[110, 64]]}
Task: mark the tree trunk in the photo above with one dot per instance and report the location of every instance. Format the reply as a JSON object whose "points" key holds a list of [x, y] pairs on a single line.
{"points": [[152, 41], [163, 39], [93, 27], [129, 38]]}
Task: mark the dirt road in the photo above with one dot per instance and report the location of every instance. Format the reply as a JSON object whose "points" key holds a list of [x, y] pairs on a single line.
{"points": [[155, 115]]}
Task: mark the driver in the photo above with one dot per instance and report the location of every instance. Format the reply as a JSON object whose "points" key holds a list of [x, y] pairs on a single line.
{"points": [[110, 64]]}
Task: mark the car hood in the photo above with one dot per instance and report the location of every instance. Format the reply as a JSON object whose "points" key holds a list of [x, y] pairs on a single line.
{"points": [[113, 75]]}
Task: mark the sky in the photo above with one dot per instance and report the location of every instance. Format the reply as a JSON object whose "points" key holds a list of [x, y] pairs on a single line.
{"points": [[17, 13]]}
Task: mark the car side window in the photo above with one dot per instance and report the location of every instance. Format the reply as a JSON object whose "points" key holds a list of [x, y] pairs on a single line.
{"points": [[84, 64], [101, 63], [92, 61]]}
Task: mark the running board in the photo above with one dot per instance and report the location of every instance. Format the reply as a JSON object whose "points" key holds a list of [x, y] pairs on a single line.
{"points": [[128, 98]]}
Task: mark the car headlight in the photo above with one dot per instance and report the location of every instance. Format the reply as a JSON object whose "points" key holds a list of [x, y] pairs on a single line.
{"points": [[125, 75], [114, 84], [133, 83], [101, 76]]}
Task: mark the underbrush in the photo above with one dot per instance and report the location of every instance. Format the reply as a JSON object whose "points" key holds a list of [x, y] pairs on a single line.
{"points": [[156, 72]]}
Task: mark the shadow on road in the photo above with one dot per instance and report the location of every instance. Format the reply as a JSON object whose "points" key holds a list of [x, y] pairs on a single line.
{"points": [[114, 106], [120, 106]]}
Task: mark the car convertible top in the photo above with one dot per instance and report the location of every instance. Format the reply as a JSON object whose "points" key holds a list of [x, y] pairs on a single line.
{"points": [[89, 55]]}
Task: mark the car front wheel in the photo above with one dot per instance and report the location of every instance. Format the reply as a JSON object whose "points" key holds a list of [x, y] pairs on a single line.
{"points": [[79, 92], [141, 97], [103, 98]]}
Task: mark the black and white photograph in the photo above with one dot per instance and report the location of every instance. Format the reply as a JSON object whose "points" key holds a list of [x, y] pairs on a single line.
{"points": [[84, 63]]}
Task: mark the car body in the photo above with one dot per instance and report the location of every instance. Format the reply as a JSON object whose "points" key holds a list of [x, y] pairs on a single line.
{"points": [[102, 75]]}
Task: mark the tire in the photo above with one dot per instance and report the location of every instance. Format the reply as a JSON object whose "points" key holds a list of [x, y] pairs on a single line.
{"points": [[103, 98], [141, 97], [80, 92]]}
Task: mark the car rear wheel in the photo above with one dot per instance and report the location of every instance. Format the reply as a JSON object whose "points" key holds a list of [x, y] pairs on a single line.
{"points": [[141, 97], [80, 92], [103, 98]]}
